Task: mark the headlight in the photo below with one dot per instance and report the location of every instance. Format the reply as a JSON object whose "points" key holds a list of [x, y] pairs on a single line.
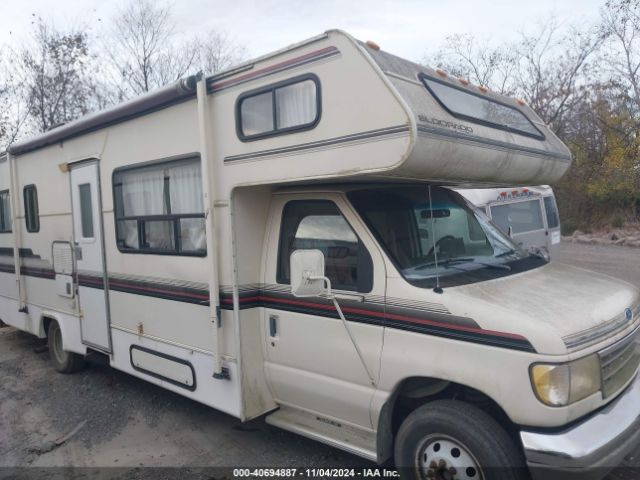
{"points": [[562, 384]]}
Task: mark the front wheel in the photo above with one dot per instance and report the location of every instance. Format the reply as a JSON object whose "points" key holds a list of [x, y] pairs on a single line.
{"points": [[453, 440], [63, 361]]}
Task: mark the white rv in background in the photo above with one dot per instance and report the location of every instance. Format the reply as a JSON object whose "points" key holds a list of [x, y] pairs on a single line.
{"points": [[528, 214], [276, 239]]}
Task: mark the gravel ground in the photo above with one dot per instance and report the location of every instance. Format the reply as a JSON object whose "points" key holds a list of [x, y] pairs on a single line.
{"points": [[123, 423]]}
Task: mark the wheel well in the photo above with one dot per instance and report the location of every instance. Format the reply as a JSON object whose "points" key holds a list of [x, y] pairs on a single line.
{"points": [[46, 322], [414, 392]]}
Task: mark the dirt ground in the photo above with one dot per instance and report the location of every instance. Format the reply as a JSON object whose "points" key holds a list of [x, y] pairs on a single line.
{"points": [[103, 418]]}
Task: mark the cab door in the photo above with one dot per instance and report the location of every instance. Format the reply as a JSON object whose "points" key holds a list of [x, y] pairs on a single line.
{"points": [[311, 362]]}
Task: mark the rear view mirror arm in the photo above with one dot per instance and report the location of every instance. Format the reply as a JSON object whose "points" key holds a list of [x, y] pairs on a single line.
{"points": [[332, 297]]}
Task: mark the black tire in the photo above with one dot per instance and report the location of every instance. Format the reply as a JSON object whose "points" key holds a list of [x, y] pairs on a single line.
{"points": [[433, 433], [63, 361]]}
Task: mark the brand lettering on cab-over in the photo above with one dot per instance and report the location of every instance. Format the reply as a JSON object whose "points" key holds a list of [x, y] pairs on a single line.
{"points": [[445, 123]]}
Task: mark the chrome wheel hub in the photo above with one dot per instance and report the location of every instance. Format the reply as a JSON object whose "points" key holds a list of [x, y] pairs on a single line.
{"points": [[443, 458]]}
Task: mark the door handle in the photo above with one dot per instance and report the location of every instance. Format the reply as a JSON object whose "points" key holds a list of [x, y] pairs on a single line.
{"points": [[273, 325]]}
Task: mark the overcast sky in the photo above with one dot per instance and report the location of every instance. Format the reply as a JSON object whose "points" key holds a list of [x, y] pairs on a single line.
{"points": [[404, 27]]}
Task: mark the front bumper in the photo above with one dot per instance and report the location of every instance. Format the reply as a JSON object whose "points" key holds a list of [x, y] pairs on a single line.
{"points": [[591, 448]]}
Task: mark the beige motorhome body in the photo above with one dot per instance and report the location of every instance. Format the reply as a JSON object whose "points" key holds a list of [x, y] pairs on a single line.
{"points": [[108, 242]]}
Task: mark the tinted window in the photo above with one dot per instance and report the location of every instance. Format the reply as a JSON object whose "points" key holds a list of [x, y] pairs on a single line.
{"points": [[553, 219], [320, 225], [158, 208], [471, 106], [32, 214], [86, 210], [520, 216], [5, 212], [284, 107]]}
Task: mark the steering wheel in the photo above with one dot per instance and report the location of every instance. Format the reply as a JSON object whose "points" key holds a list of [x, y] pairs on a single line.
{"points": [[446, 237]]}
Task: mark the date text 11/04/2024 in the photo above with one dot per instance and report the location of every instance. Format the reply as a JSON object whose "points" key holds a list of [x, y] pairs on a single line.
{"points": [[315, 472]]}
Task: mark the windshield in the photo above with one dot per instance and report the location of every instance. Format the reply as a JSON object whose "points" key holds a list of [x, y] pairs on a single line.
{"points": [[417, 233]]}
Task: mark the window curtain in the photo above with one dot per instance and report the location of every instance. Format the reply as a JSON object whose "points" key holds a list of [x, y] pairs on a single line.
{"points": [[185, 190], [142, 194], [296, 104]]}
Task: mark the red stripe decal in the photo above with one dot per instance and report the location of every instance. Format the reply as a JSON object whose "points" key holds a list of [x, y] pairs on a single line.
{"points": [[383, 315], [247, 76]]}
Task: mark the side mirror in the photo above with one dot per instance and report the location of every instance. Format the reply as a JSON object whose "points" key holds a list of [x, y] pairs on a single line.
{"points": [[307, 273]]}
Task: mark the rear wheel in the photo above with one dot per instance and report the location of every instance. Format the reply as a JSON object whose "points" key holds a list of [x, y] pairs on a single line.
{"points": [[452, 440], [63, 361]]}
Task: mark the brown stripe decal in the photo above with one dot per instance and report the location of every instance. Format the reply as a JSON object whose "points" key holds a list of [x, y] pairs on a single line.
{"points": [[410, 318], [278, 67]]}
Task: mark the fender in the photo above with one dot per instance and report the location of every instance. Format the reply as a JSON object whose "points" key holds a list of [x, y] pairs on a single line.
{"points": [[70, 328]]}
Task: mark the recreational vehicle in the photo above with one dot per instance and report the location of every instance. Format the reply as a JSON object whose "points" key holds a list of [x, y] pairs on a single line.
{"points": [[276, 239], [528, 214]]}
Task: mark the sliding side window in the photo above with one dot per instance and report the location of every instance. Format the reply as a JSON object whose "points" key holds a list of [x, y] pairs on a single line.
{"points": [[159, 208], [31, 211], [318, 224], [284, 107], [5, 212]]}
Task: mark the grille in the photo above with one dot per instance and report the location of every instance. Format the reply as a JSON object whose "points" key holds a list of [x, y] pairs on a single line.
{"points": [[619, 363]]}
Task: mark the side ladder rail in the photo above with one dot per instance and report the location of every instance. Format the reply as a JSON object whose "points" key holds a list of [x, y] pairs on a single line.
{"points": [[17, 237], [208, 192]]}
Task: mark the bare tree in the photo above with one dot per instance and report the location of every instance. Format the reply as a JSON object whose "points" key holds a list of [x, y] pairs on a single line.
{"points": [[216, 52], [147, 53], [554, 69], [14, 111], [621, 24], [139, 53], [50, 81], [465, 56]]}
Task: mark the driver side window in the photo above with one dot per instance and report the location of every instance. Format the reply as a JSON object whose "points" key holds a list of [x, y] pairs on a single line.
{"points": [[318, 224]]}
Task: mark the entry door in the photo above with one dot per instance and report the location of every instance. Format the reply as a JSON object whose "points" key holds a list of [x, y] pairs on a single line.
{"points": [[311, 362], [93, 293]]}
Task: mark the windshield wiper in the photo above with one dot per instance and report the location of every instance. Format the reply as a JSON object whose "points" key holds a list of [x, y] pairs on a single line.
{"points": [[499, 266], [449, 263]]}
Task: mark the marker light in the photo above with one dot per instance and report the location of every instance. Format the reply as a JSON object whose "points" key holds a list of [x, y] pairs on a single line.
{"points": [[372, 45], [463, 81], [440, 72], [483, 89]]}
